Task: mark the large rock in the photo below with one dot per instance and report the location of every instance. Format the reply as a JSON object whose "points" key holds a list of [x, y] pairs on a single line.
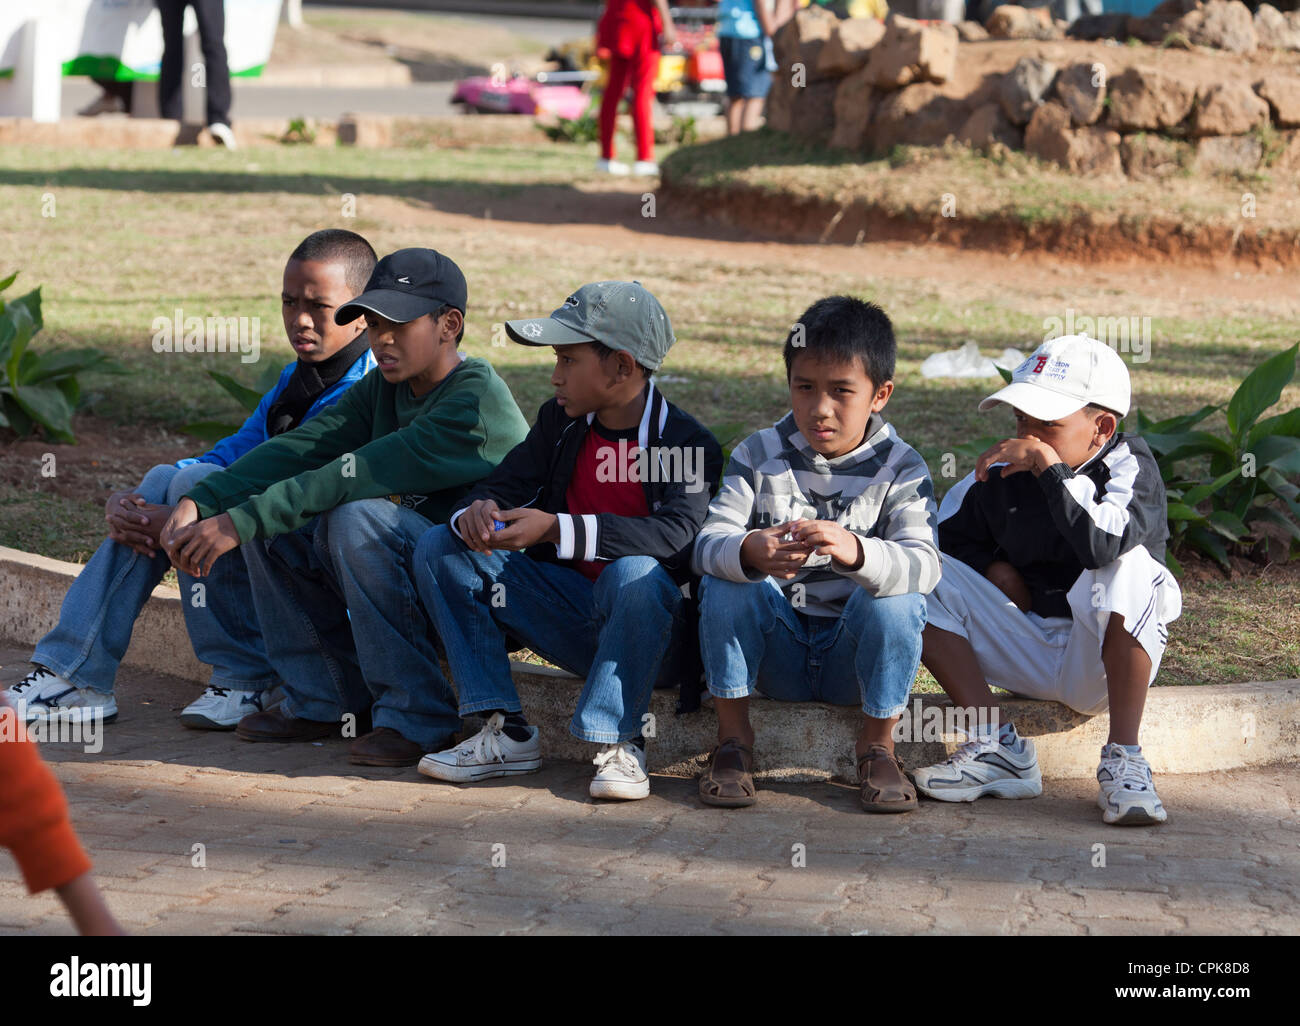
{"points": [[1012, 22], [917, 115], [971, 32], [1221, 24], [1090, 151], [812, 114], [849, 46], [1228, 108], [1092, 27], [1282, 92], [1083, 91], [989, 124], [1143, 100], [913, 52], [1148, 156], [779, 109], [1024, 87], [800, 41], [1048, 135], [854, 104], [1160, 22], [1238, 154], [1289, 158], [1275, 30]]}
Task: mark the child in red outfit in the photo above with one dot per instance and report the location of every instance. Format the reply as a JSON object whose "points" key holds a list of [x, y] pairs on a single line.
{"points": [[630, 31], [34, 825]]}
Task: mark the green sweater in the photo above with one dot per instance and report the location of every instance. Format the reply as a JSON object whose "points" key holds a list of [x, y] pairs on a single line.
{"points": [[379, 440]]}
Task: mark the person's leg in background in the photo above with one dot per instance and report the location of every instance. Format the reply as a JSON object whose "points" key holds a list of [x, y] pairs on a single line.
{"points": [[644, 70], [616, 82], [211, 17], [172, 13]]}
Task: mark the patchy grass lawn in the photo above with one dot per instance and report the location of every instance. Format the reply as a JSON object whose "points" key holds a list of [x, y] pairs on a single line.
{"points": [[137, 235]]}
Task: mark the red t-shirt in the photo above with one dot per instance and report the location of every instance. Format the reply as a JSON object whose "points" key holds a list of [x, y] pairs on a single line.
{"points": [[605, 481], [629, 27]]}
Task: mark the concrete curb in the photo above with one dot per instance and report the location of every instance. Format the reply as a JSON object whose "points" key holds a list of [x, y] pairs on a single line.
{"points": [[1185, 729]]}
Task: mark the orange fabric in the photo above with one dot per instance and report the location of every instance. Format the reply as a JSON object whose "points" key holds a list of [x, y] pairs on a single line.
{"points": [[34, 822]]}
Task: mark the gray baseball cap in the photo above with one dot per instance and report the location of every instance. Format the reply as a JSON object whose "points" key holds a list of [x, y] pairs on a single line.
{"points": [[623, 315]]}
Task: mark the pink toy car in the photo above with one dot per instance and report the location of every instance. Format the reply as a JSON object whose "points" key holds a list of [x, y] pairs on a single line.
{"points": [[551, 92]]}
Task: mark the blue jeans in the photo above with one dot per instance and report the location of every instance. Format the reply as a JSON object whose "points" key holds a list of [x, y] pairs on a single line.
{"points": [[751, 635], [617, 633], [100, 608], [343, 622]]}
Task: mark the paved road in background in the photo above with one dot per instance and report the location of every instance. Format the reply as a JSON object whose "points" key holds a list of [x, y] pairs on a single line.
{"points": [[419, 98]]}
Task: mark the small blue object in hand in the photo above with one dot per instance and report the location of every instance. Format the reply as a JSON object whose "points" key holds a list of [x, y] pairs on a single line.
{"points": [[497, 525]]}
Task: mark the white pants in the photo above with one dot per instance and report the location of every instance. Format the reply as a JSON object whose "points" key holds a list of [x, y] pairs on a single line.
{"points": [[1058, 658]]}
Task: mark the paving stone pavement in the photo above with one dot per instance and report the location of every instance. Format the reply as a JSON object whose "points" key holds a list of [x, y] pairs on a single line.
{"points": [[296, 841]]}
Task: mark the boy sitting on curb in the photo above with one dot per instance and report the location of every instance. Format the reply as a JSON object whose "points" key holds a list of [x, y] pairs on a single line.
{"points": [[75, 664], [606, 495], [819, 550], [329, 516], [1054, 584]]}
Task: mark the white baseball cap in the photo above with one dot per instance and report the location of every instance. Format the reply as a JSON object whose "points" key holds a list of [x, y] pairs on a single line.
{"points": [[1065, 375]]}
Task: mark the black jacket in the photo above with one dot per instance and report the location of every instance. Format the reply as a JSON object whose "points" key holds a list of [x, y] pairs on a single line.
{"points": [[1053, 527], [537, 472]]}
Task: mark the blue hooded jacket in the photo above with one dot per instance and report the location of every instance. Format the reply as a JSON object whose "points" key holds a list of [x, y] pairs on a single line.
{"points": [[253, 432]]}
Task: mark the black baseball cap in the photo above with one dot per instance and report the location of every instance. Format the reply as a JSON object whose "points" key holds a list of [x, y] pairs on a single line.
{"points": [[408, 284]]}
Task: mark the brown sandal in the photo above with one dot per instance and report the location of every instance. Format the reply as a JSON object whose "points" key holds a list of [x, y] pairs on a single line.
{"points": [[884, 787], [728, 782]]}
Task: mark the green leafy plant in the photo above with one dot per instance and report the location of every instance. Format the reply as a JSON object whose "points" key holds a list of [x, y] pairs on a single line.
{"points": [[39, 389], [1243, 481], [300, 131], [582, 129], [248, 398]]}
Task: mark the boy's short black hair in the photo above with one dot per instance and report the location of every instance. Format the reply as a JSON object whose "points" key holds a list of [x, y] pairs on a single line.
{"points": [[842, 329], [340, 246], [1104, 409], [604, 351]]}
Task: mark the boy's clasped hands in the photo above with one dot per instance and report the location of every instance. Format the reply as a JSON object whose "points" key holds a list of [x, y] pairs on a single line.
{"points": [[781, 550], [523, 527], [193, 545]]}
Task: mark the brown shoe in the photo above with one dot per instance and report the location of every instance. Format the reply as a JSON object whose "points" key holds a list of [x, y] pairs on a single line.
{"points": [[272, 725], [384, 747], [884, 787], [728, 782]]}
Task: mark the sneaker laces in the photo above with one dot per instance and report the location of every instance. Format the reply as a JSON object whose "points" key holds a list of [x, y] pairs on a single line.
{"points": [[618, 757], [1128, 769], [972, 749], [485, 746], [216, 691], [31, 680]]}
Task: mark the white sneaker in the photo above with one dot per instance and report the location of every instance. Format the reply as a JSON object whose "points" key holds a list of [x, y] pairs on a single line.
{"points": [[646, 169], [34, 685], [982, 767], [223, 134], [1126, 793], [620, 772], [612, 167], [220, 708], [489, 753], [70, 704]]}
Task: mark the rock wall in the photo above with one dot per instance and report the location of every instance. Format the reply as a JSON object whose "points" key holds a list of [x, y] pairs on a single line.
{"points": [[867, 86]]}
